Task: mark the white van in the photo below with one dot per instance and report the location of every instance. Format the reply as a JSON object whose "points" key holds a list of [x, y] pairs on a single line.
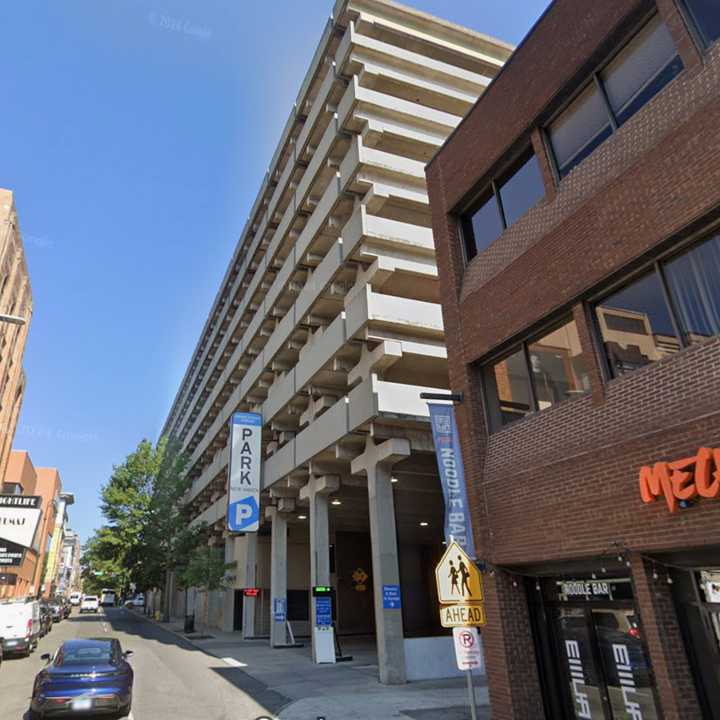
{"points": [[107, 597], [75, 598], [19, 626]]}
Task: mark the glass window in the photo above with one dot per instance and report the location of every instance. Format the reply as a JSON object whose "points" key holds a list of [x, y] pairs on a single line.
{"points": [[636, 325], [580, 129], [485, 226], [641, 70], [706, 15], [557, 370], [513, 387], [694, 283], [557, 366], [522, 190]]}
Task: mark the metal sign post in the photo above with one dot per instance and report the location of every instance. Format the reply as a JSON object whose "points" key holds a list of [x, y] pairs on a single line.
{"points": [[469, 656]]}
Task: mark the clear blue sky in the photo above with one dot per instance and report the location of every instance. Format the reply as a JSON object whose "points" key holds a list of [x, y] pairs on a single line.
{"points": [[135, 134]]}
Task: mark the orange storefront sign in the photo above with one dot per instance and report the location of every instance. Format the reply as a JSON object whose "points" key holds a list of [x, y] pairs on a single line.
{"points": [[694, 477]]}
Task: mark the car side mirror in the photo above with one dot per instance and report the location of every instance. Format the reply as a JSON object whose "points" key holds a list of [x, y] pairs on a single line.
{"points": [[128, 653], [45, 657]]}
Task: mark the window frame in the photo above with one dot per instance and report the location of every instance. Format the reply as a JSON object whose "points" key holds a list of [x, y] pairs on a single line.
{"points": [[595, 79], [694, 28], [491, 190], [655, 265], [486, 367]]}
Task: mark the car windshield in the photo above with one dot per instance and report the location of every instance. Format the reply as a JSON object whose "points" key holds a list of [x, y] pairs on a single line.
{"points": [[90, 598], [84, 654]]}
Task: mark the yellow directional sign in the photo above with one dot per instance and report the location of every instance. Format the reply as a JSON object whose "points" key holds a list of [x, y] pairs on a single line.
{"points": [[462, 615], [458, 579]]}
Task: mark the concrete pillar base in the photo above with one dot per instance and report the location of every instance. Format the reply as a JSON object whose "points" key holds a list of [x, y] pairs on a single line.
{"points": [[376, 463]]}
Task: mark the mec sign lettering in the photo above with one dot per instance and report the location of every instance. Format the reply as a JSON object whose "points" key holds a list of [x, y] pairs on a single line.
{"points": [[243, 512]]}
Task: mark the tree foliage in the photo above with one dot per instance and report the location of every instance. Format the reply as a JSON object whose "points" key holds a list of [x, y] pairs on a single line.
{"points": [[147, 532]]}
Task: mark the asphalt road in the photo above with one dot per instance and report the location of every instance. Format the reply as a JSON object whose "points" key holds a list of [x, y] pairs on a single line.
{"points": [[173, 680]]}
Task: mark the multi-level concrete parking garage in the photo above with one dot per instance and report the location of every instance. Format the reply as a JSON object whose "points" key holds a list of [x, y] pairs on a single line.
{"points": [[328, 323]]}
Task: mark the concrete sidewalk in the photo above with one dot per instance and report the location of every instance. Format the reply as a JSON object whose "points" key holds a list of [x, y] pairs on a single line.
{"points": [[301, 690]]}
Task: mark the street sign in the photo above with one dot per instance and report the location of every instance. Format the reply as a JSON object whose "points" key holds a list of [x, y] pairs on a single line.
{"points": [[458, 579], [323, 611], [279, 610], [391, 597], [462, 615], [11, 555], [468, 649], [243, 511], [19, 517]]}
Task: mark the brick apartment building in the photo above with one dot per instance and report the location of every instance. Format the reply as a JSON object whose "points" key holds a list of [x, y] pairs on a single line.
{"points": [[15, 300], [576, 214], [30, 498]]}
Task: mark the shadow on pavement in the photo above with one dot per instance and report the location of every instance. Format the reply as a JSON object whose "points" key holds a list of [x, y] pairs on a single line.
{"points": [[131, 623]]}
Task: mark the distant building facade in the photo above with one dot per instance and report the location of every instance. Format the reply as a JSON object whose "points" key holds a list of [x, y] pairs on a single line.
{"points": [[29, 510], [15, 300], [576, 213], [69, 579]]}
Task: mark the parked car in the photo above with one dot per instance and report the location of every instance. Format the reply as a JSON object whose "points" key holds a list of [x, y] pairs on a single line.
{"points": [[107, 597], [139, 601], [75, 598], [89, 603], [46, 619], [84, 676], [19, 626], [56, 610]]}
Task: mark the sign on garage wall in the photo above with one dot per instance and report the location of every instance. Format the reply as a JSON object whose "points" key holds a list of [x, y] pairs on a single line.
{"points": [[243, 512]]}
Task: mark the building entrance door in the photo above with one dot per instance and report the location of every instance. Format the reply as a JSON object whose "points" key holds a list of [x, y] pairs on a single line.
{"points": [[593, 641]]}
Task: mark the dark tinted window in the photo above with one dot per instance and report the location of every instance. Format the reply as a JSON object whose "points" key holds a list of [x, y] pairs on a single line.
{"points": [[483, 226], [552, 365], [513, 387], [85, 653], [522, 190], [706, 14], [641, 303], [694, 283], [579, 130], [489, 217], [641, 70]]}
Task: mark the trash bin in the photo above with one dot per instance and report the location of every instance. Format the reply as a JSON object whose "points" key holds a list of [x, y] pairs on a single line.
{"points": [[189, 623]]}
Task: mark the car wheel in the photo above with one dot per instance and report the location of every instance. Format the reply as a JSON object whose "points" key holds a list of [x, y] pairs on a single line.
{"points": [[34, 715]]}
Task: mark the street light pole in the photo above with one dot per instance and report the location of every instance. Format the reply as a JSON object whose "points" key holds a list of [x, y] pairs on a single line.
{"points": [[13, 319]]}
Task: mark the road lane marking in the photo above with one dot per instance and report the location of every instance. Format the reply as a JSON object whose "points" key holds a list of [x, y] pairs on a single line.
{"points": [[232, 662]]}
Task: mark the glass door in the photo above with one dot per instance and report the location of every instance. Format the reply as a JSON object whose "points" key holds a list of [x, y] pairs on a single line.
{"points": [[580, 664], [626, 671]]}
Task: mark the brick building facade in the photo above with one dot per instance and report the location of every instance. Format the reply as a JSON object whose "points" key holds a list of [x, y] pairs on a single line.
{"points": [[575, 213]]}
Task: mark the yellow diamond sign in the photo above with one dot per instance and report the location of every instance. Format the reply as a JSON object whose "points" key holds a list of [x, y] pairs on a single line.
{"points": [[458, 579]]}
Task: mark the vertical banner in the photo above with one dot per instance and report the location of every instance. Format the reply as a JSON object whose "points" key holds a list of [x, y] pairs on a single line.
{"points": [[458, 523], [243, 511]]}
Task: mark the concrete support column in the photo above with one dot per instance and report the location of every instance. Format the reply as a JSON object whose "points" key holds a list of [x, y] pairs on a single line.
{"points": [[278, 573], [316, 493], [376, 463], [250, 563]]}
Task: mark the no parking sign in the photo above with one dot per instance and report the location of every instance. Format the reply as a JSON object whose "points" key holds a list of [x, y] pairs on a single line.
{"points": [[468, 648]]}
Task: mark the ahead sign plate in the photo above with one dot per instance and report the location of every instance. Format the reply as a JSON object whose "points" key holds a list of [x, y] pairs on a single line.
{"points": [[462, 615]]}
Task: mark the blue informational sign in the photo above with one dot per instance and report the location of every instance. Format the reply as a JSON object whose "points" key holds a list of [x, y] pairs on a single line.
{"points": [[243, 512], [391, 597], [279, 609], [323, 611], [458, 524]]}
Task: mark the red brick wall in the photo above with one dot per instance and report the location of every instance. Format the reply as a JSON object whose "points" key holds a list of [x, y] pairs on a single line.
{"points": [[562, 485]]}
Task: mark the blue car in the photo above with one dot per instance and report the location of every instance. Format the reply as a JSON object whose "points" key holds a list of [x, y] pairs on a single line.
{"points": [[85, 678]]}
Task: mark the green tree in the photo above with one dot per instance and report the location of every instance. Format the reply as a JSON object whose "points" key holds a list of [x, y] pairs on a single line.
{"points": [[147, 531], [205, 570]]}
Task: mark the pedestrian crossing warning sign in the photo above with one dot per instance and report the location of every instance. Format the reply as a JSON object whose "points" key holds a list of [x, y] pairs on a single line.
{"points": [[458, 579]]}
